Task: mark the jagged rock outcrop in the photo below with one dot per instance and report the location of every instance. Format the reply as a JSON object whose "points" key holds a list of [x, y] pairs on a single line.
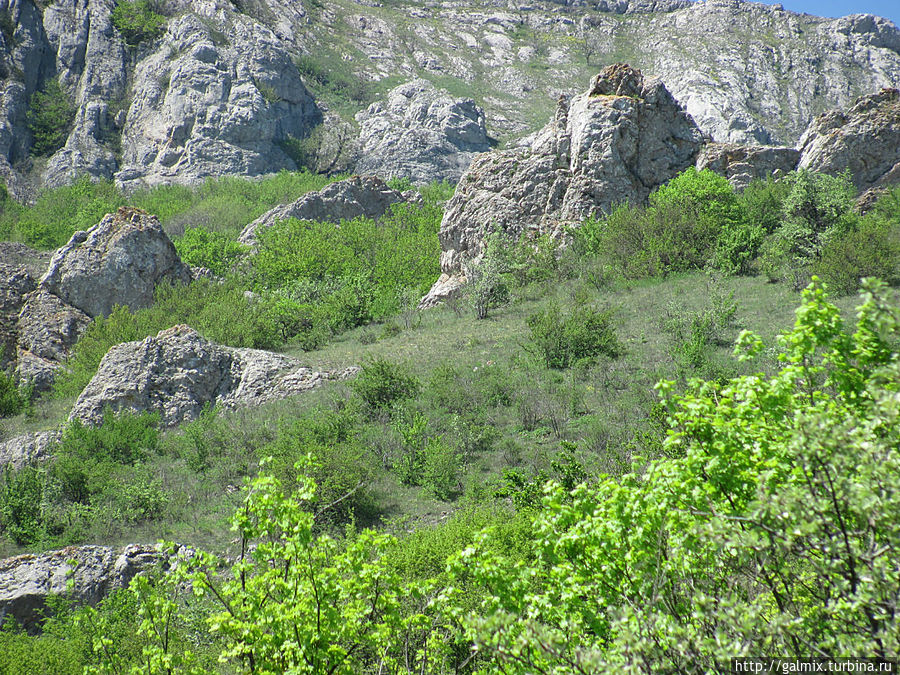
{"points": [[214, 98], [358, 196], [614, 143], [15, 284], [178, 372], [119, 261], [26, 581], [218, 92], [47, 330], [421, 133], [864, 140], [741, 164], [27, 448], [48, 327], [90, 59]]}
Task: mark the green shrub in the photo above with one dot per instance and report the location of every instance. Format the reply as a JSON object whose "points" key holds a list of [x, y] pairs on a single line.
{"points": [[13, 398], [870, 250], [709, 199], [762, 203], [382, 383], [213, 250], [561, 339], [60, 212], [137, 21], [817, 209], [21, 499], [341, 464], [487, 285], [49, 118], [441, 469]]}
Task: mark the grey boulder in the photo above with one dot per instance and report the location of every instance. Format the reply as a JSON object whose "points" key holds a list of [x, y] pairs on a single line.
{"points": [[178, 373], [27, 448], [421, 133], [119, 261], [26, 581], [357, 196], [741, 164], [865, 139]]}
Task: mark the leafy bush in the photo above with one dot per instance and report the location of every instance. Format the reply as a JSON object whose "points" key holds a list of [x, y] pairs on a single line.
{"points": [[13, 398], [136, 21], [381, 383], [441, 469], [49, 118], [817, 209], [584, 333], [785, 478], [21, 496], [60, 212], [486, 285], [870, 250], [762, 203], [213, 250]]}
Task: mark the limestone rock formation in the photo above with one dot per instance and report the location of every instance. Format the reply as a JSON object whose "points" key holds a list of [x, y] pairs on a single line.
{"points": [[421, 133], [213, 98], [119, 261], [865, 139], [48, 327], [178, 372], [27, 580], [27, 448], [365, 196], [741, 164], [614, 143], [218, 91], [15, 283]]}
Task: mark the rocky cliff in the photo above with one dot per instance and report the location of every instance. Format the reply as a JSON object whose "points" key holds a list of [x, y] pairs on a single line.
{"points": [[235, 88]]}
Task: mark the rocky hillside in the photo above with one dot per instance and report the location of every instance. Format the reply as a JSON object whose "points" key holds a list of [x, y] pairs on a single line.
{"points": [[175, 91]]}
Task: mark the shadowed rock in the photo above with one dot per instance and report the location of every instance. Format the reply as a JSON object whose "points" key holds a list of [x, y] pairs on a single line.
{"points": [[26, 581], [864, 140]]}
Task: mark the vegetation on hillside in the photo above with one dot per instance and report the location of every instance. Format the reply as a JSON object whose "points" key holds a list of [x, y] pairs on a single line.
{"points": [[563, 470]]}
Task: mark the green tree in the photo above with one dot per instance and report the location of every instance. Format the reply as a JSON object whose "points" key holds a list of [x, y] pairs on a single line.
{"points": [[137, 21], [49, 118]]}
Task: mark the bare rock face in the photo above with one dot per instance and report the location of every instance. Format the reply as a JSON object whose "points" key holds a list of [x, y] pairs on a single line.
{"points": [[212, 100], [358, 196], [27, 580], [178, 372], [119, 261], [15, 284], [26, 449], [421, 133], [865, 139], [741, 164], [614, 143], [48, 327]]}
